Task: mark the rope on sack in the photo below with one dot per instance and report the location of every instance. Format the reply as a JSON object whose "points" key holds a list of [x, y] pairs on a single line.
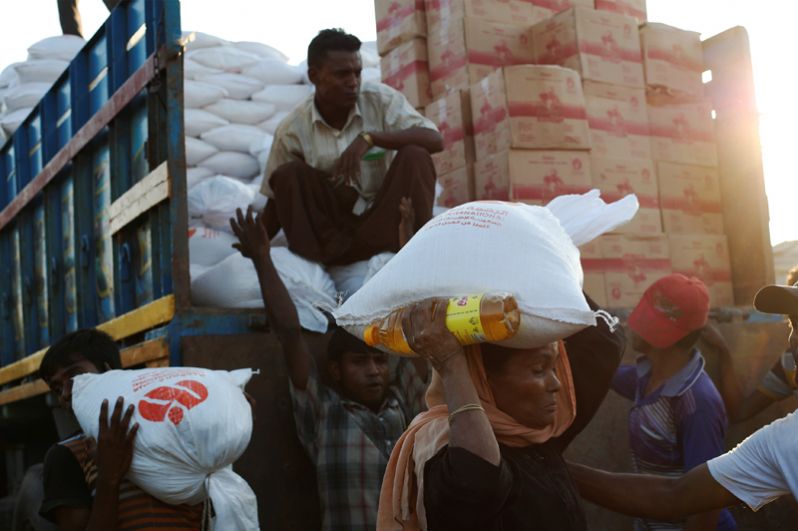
{"points": [[612, 321], [206, 506]]}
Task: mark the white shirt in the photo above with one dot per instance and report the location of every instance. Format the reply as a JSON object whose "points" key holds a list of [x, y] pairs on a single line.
{"points": [[304, 135], [764, 466]]}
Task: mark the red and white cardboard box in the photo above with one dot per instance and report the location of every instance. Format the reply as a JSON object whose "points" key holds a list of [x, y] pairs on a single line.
{"points": [[452, 115], [533, 177], [690, 198], [556, 6], [473, 48], [398, 21], [631, 264], [706, 257], [673, 60], [531, 107], [592, 267], [442, 14], [683, 133], [630, 8], [458, 187], [618, 119], [617, 178], [405, 68], [601, 46]]}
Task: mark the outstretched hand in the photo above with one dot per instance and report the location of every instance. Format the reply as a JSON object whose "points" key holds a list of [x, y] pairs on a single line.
{"points": [[424, 327], [115, 442], [253, 238]]}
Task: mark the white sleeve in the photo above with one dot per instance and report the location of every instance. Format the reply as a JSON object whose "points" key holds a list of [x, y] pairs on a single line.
{"points": [[763, 467]]}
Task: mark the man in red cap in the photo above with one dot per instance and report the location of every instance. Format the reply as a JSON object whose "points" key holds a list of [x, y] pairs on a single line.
{"points": [[758, 471], [678, 420]]}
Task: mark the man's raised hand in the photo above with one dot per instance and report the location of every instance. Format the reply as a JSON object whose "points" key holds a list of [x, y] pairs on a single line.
{"points": [[253, 239]]}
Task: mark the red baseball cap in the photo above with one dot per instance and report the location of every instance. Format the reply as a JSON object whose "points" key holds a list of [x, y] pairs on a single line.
{"points": [[670, 309]]}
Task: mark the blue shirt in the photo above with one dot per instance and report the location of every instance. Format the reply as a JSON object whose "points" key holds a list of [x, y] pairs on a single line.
{"points": [[677, 427]]}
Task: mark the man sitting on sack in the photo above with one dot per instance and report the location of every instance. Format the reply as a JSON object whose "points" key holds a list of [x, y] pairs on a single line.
{"points": [[335, 206]]}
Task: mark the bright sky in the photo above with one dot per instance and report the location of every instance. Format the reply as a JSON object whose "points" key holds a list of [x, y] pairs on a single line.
{"points": [[289, 26]]}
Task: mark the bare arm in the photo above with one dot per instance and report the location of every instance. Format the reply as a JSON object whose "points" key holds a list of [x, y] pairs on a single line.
{"points": [[738, 406], [425, 330], [649, 496], [280, 309], [429, 139]]}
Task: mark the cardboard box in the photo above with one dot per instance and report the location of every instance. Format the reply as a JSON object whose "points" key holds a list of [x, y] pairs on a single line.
{"points": [[618, 119], [405, 68], [673, 61], [631, 8], [452, 115], [398, 21], [592, 267], [683, 133], [556, 6], [631, 263], [601, 46], [458, 187], [442, 14], [706, 257], [617, 178], [473, 48], [532, 107], [533, 177], [690, 198]]}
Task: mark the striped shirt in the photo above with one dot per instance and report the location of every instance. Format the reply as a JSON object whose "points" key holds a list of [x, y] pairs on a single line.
{"points": [[137, 510], [350, 445], [305, 135], [675, 428]]}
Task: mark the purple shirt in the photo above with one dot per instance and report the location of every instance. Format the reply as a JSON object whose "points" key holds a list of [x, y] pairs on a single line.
{"points": [[677, 427]]}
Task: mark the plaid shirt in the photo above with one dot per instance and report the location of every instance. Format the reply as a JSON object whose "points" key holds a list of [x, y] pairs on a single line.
{"points": [[350, 445]]}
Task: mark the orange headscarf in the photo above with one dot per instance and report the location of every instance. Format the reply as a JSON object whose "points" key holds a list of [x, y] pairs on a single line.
{"points": [[402, 495]]}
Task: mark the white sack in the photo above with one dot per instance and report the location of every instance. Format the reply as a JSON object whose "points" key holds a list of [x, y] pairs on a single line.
{"points": [[196, 40], [270, 125], [194, 70], [214, 201], [261, 144], [194, 176], [11, 121], [227, 58], [264, 51], [371, 75], [9, 77], [274, 72], [585, 217], [207, 247], [197, 94], [197, 151], [40, 70], [193, 425], [284, 97], [198, 121], [64, 47], [259, 200], [350, 278], [232, 163], [233, 283], [484, 247], [25, 95], [234, 137], [242, 111], [369, 55], [238, 87]]}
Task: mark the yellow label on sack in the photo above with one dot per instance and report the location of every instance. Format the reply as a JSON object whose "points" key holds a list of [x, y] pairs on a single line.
{"points": [[462, 319]]}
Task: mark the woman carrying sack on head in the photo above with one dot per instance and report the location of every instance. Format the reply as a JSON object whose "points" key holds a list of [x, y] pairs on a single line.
{"points": [[488, 453]]}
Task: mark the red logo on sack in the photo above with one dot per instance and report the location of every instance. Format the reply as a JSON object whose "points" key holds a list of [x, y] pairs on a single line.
{"points": [[171, 401]]}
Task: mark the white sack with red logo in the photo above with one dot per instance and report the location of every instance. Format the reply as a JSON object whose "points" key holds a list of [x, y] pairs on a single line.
{"points": [[193, 425], [492, 246]]}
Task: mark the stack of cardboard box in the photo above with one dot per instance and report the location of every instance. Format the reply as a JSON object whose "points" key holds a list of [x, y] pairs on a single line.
{"points": [[539, 98]]}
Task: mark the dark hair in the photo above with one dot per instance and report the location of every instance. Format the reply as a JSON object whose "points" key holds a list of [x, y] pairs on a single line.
{"points": [[330, 40], [89, 343], [342, 341], [792, 276]]}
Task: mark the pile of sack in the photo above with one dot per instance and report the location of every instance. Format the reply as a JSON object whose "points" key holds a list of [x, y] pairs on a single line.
{"points": [[23, 84]]}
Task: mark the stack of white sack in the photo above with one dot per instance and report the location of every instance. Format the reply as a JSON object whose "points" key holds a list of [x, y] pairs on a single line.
{"points": [[193, 425], [23, 84]]}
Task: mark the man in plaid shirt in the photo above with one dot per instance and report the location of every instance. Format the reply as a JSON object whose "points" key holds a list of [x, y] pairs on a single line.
{"points": [[349, 431]]}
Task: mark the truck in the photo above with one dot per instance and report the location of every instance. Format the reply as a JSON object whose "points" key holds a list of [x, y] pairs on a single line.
{"points": [[94, 233]]}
